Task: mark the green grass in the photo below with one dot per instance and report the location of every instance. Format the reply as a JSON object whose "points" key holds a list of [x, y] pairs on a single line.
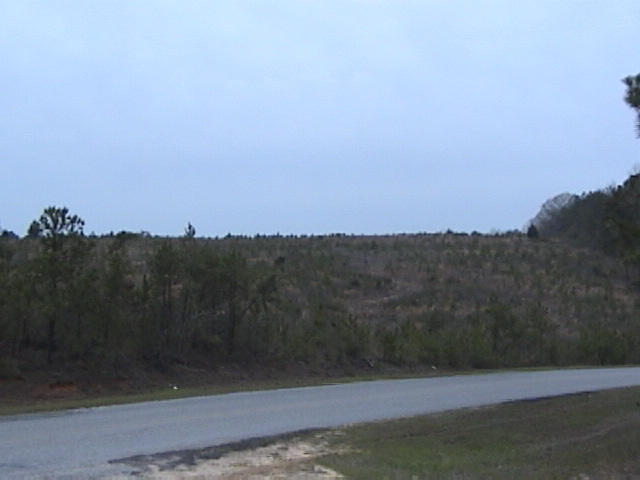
{"points": [[597, 435]]}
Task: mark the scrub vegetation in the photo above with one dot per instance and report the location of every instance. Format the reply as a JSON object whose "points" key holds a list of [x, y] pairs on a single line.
{"points": [[79, 305]]}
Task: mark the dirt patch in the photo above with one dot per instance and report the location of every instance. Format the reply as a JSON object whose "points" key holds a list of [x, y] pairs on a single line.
{"points": [[292, 456], [56, 390]]}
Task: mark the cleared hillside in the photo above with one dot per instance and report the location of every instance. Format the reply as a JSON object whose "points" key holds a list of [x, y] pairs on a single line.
{"points": [[113, 305]]}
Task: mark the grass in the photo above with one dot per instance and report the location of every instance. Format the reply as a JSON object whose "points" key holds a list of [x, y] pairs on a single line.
{"points": [[596, 435]]}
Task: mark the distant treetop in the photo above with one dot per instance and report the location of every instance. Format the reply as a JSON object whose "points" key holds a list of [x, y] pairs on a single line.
{"points": [[632, 96], [550, 207]]}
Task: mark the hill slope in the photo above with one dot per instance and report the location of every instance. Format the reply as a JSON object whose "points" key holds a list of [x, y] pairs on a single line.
{"points": [[126, 302]]}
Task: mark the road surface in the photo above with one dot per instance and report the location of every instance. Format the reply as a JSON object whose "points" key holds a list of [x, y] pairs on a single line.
{"points": [[84, 443]]}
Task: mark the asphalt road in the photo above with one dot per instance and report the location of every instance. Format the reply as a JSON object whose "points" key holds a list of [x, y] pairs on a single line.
{"points": [[82, 443]]}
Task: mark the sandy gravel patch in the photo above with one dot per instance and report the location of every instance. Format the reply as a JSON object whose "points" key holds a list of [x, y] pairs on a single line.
{"points": [[291, 458]]}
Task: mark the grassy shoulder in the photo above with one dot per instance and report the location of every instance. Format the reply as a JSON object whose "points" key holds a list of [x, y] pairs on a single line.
{"points": [[82, 400], [20, 397], [596, 435]]}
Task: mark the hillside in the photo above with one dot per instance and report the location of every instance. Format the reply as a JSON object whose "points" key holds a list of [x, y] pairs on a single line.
{"points": [[114, 305]]}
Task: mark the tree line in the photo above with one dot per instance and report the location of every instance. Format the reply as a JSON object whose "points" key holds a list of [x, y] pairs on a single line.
{"points": [[68, 298], [607, 219], [118, 302]]}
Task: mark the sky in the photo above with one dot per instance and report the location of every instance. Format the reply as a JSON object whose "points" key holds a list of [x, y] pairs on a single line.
{"points": [[311, 116]]}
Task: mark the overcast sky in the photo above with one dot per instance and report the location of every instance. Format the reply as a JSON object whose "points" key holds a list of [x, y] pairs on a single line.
{"points": [[301, 116]]}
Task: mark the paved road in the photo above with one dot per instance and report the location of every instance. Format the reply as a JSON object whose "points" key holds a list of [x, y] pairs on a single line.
{"points": [[81, 443]]}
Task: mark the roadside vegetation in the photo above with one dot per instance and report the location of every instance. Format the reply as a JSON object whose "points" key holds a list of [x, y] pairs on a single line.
{"points": [[130, 305], [591, 435]]}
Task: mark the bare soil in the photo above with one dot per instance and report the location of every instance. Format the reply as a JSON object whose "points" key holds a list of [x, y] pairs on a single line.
{"points": [[290, 456]]}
